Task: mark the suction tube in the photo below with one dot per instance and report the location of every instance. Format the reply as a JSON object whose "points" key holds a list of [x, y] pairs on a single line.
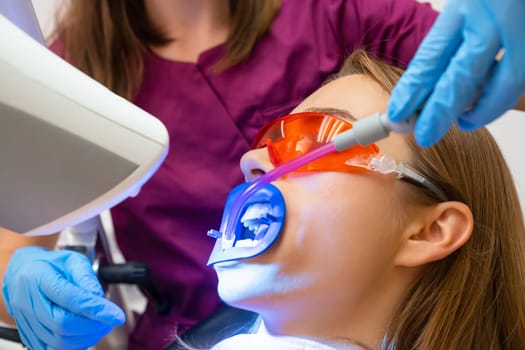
{"points": [[364, 132]]}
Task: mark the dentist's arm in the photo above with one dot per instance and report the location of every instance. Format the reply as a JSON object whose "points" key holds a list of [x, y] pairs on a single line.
{"points": [[456, 64], [9, 242], [54, 296]]}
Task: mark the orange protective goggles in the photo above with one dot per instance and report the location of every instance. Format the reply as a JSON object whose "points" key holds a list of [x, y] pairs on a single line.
{"points": [[293, 135]]}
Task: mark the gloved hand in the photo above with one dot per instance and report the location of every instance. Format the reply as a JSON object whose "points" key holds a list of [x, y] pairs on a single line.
{"points": [[456, 63], [56, 300]]}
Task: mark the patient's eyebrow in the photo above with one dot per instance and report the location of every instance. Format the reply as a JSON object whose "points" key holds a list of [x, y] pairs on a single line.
{"points": [[343, 113]]}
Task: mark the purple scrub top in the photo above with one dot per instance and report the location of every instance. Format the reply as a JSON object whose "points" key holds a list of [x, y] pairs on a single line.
{"points": [[212, 119]]}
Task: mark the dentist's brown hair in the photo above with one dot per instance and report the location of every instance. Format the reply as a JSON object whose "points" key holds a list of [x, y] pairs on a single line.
{"points": [[107, 38]]}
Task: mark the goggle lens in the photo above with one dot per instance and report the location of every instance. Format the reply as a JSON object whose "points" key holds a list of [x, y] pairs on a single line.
{"points": [[291, 136]]}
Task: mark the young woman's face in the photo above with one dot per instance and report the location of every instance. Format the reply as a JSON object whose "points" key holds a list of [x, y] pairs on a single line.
{"points": [[341, 231]]}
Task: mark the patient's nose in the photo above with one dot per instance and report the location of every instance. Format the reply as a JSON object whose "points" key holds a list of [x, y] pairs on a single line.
{"points": [[255, 163]]}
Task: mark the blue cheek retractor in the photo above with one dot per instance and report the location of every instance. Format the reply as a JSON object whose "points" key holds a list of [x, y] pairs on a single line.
{"points": [[263, 214]]}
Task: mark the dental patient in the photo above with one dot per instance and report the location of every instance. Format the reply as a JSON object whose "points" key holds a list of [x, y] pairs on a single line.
{"points": [[385, 246]]}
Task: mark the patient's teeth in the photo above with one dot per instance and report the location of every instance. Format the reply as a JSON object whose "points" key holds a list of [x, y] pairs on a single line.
{"points": [[257, 218], [256, 211], [261, 230], [246, 243]]}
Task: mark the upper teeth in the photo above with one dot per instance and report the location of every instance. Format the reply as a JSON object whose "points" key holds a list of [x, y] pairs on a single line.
{"points": [[257, 219], [255, 215], [256, 211]]}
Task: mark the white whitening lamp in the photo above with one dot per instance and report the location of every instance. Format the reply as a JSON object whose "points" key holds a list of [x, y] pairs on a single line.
{"points": [[69, 147]]}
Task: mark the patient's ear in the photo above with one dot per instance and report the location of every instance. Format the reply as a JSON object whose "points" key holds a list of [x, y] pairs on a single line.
{"points": [[434, 234]]}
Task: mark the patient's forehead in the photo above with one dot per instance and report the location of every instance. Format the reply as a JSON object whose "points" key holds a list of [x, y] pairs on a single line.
{"points": [[356, 93], [361, 96]]}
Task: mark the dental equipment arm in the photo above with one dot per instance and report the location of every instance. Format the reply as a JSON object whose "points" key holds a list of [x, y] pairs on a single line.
{"points": [[69, 147], [364, 132], [370, 130]]}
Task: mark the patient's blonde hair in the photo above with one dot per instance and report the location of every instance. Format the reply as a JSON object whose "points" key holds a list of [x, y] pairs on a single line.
{"points": [[474, 298]]}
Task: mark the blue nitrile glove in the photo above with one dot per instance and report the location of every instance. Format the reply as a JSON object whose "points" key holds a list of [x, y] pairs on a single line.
{"points": [[455, 60], [56, 300]]}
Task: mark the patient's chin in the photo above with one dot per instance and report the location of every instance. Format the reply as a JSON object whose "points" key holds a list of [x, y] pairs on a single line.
{"points": [[256, 287], [246, 284], [235, 287]]}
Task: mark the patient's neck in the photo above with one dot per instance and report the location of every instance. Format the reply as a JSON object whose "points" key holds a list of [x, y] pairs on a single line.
{"points": [[337, 320], [366, 331]]}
